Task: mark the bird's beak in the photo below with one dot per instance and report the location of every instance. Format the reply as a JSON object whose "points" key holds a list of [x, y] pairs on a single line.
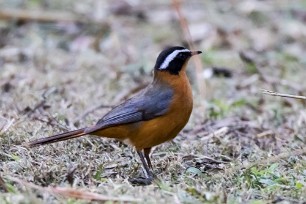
{"points": [[195, 52]]}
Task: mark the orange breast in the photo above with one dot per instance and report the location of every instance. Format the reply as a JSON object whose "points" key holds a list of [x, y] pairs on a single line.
{"points": [[153, 132]]}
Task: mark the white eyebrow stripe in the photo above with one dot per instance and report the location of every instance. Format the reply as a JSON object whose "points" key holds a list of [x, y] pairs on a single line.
{"points": [[170, 57]]}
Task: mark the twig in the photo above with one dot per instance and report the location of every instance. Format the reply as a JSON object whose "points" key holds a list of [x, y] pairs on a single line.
{"points": [[268, 79], [272, 93], [89, 111], [187, 35], [74, 193], [51, 121], [2, 185], [29, 111], [264, 161], [7, 125], [276, 158], [37, 15], [218, 133], [119, 97]]}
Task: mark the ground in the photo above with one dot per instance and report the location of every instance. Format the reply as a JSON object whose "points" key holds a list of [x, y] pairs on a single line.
{"points": [[64, 72]]}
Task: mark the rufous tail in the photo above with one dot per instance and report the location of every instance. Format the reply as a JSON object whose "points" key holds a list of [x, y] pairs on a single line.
{"points": [[57, 138]]}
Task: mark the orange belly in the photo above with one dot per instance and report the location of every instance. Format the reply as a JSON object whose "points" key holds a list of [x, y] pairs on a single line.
{"points": [[157, 131], [153, 132], [146, 134]]}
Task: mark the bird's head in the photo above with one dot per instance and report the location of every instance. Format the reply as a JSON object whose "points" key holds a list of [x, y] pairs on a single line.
{"points": [[173, 59]]}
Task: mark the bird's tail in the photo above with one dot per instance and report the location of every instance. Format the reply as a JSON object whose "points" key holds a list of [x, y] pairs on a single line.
{"points": [[57, 138]]}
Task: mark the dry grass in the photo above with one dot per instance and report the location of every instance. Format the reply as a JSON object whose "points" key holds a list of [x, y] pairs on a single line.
{"points": [[245, 147]]}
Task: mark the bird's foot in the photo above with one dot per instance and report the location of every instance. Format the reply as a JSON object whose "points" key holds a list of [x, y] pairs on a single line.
{"points": [[141, 181]]}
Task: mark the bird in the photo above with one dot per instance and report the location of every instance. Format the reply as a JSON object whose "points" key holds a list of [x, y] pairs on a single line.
{"points": [[151, 117]]}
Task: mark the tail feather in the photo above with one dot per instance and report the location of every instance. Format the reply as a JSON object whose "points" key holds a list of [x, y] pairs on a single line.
{"points": [[57, 138]]}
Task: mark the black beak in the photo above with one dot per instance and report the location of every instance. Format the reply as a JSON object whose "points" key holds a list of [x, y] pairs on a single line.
{"points": [[195, 52]]}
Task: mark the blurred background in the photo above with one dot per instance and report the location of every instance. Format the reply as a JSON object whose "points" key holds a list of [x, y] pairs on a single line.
{"points": [[63, 64]]}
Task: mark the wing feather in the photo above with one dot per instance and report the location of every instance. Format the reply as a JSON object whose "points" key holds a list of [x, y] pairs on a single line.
{"points": [[146, 105]]}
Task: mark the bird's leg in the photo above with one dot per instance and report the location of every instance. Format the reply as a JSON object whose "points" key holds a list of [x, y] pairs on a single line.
{"points": [[149, 175], [145, 165], [146, 153]]}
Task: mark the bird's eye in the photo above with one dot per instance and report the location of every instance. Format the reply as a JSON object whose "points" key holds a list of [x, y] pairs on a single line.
{"points": [[180, 55]]}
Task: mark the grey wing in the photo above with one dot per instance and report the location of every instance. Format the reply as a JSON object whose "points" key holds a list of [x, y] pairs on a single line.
{"points": [[145, 106]]}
